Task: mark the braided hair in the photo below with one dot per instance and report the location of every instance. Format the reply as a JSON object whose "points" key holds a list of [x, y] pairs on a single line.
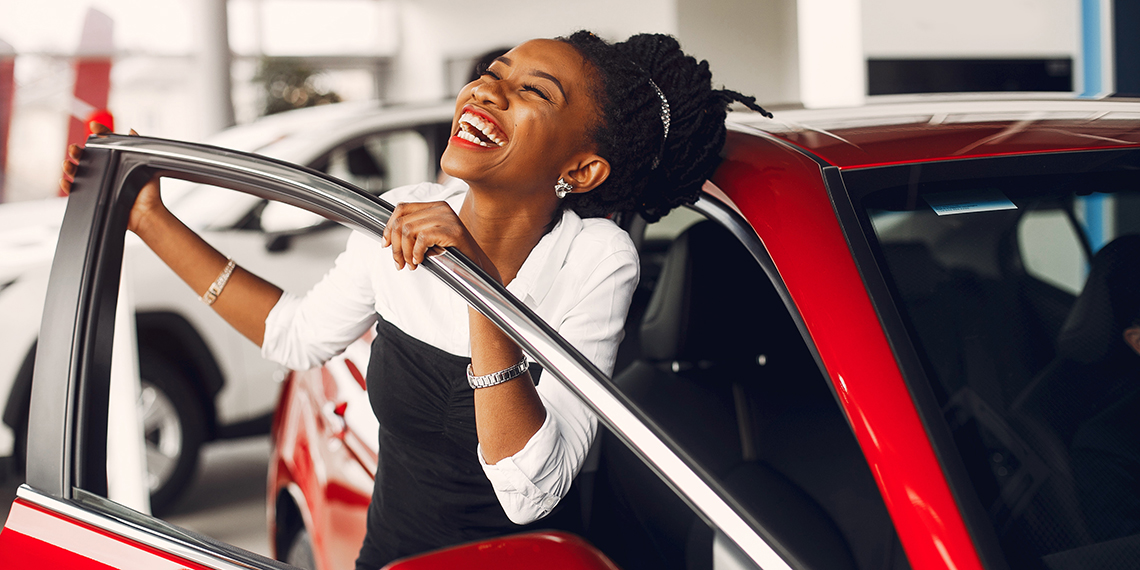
{"points": [[649, 172]]}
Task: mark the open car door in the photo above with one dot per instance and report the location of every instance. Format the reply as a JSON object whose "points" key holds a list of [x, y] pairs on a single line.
{"points": [[62, 517]]}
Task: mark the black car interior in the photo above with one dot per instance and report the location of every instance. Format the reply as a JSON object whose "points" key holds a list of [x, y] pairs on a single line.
{"points": [[720, 366], [1018, 366]]}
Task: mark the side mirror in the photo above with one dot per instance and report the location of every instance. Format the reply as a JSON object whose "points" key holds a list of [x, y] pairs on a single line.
{"points": [[548, 550]]}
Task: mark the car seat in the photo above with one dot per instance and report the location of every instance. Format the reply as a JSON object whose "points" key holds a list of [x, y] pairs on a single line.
{"points": [[709, 336], [1094, 368]]}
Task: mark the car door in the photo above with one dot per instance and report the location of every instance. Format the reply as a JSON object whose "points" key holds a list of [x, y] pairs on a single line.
{"points": [[324, 460], [62, 517]]}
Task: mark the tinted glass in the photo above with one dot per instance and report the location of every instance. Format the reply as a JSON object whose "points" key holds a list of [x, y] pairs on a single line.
{"points": [[1019, 293]]}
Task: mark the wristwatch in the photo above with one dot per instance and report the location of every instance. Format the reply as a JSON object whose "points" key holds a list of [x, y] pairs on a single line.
{"points": [[495, 378]]}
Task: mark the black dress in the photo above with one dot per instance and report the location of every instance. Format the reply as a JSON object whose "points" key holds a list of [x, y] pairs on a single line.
{"points": [[430, 489]]}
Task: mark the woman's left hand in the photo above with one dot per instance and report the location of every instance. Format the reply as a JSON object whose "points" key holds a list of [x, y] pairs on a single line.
{"points": [[416, 227]]}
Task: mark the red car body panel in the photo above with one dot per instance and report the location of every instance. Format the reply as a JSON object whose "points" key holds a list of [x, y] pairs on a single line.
{"points": [[781, 193], [548, 550], [36, 538]]}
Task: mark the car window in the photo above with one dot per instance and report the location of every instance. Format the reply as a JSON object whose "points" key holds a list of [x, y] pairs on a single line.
{"points": [[382, 161], [713, 356], [1022, 337], [375, 164]]}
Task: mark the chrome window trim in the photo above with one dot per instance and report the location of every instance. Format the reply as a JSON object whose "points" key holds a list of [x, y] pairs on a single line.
{"points": [[323, 195]]}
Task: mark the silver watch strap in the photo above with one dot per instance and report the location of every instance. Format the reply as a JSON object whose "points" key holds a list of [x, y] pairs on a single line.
{"points": [[494, 378]]}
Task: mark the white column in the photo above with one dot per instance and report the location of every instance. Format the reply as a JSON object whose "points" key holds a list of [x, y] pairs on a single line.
{"points": [[832, 64], [418, 68], [217, 108], [751, 45]]}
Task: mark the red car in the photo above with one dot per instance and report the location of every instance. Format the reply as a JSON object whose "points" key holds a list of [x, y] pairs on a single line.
{"points": [[888, 337]]}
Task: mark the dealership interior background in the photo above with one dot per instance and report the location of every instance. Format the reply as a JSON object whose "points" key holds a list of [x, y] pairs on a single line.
{"points": [[186, 68]]}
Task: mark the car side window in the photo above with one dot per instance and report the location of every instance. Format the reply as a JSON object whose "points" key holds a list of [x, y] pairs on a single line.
{"points": [[718, 363], [375, 164], [1025, 345], [381, 161]]}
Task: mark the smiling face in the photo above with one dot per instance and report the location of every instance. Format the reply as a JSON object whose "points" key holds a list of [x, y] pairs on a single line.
{"points": [[525, 122]]}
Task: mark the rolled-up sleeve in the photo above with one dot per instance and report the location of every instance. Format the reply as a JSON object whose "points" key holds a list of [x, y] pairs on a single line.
{"points": [[303, 332], [530, 483]]}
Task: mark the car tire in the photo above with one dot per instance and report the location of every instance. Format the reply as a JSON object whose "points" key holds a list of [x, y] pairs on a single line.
{"points": [[173, 427], [300, 553]]}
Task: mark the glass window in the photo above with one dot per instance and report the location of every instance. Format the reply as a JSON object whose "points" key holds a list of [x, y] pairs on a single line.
{"points": [[382, 161], [1025, 341], [375, 164]]}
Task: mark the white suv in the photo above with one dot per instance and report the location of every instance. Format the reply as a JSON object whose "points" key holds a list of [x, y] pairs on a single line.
{"points": [[201, 379]]}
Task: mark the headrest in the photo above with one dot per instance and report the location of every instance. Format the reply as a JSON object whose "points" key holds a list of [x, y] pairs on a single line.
{"points": [[1106, 306], [710, 301]]}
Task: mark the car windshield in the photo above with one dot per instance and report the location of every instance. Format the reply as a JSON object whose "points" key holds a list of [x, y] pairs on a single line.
{"points": [[1020, 294]]}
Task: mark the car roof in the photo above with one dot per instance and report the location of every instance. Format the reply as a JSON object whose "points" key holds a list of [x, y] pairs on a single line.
{"points": [[921, 129]]}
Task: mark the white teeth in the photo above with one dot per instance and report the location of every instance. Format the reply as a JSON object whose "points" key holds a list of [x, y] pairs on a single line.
{"points": [[470, 137], [484, 127]]}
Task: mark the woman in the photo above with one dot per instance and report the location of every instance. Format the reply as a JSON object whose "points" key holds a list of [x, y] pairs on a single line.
{"points": [[552, 136]]}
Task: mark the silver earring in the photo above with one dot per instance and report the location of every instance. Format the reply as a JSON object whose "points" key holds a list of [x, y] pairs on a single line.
{"points": [[562, 188]]}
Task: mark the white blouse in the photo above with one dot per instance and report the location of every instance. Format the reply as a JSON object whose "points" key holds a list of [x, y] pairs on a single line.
{"points": [[579, 278]]}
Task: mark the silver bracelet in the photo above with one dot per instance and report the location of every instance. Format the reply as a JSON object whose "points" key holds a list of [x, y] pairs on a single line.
{"points": [[219, 283], [495, 378]]}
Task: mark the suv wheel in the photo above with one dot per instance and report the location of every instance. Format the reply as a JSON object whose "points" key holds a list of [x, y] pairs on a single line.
{"points": [[301, 551]]}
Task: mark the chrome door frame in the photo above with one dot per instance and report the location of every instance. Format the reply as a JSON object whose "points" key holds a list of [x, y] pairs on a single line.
{"points": [[70, 388]]}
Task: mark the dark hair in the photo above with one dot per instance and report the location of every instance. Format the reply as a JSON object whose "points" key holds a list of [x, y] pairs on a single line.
{"points": [[649, 173]]}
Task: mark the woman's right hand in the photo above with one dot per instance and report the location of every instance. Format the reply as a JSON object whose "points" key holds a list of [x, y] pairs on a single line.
{"points": [[149, 200]]}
